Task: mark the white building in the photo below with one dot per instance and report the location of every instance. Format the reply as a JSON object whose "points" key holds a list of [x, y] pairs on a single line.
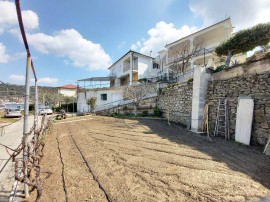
{"points": [[128, 70], [68, 90], [208, 39], [133, 66]]}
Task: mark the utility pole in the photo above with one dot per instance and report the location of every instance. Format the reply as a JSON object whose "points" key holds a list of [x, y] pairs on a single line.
{"points": [[73, 108], [43, 102], [25, 123], [36, 111]]}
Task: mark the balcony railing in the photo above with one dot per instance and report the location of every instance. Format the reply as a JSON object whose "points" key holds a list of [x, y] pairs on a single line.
{"points": [[208, 49], [106, 85], [127, 68], [185, 76], [171, 77]]}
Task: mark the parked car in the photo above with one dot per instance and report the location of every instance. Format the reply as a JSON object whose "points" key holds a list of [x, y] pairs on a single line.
{"points": [[13, 112], [45, 110]]}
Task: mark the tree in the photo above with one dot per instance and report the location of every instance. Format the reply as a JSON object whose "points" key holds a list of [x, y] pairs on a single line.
{"points": [[182, 56], [137, 94], [245, 40], [92, 103], [53, 98]]}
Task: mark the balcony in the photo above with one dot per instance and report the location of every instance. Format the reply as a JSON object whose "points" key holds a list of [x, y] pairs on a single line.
{"points": [[208, 49], [127, 68]]}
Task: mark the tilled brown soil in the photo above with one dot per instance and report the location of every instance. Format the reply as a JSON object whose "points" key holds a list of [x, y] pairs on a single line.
{"points": [[147, 160]]}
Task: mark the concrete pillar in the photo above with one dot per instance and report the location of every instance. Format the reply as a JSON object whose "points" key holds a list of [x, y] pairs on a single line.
{"points": [[131, 69], [200, 82], [166, 56], [191, 64], [191, 44]]}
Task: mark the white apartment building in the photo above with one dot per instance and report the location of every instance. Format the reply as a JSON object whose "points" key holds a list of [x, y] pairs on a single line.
{"points": [[128, 70], [133, 67], [209, 38]]}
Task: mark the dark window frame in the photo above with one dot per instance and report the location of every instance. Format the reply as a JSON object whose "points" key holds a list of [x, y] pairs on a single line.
{"points": [[103, 96]]}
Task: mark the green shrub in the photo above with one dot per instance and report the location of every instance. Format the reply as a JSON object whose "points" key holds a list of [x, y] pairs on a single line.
{"points": [[190, 80], [145, 113], [157, 111], [220, 68], [56, 109], [92, 102], [143, 80], [246, 40]]}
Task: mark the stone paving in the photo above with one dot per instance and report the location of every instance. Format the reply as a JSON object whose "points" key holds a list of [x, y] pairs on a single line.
{"points": [[11, 137]]}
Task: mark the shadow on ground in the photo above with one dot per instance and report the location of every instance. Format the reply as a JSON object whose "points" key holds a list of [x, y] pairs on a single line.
{"points": [[245, 159]]}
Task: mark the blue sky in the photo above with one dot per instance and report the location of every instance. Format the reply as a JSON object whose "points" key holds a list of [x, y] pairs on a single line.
{"points": [[71, 40]]}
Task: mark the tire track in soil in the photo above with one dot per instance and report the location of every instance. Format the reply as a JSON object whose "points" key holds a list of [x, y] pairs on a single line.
{"points": [[154, 185], [63, 166], [79, 187], [191, 188], [168, 152], [108, 197], [187, 193], [132, 169]]}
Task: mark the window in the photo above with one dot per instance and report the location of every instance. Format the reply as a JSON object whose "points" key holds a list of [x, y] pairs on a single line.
{"points": [[103, 96], [155, 66]]}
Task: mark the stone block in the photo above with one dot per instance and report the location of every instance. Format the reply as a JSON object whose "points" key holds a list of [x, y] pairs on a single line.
{"points": [[267, 110], [264, 125]]}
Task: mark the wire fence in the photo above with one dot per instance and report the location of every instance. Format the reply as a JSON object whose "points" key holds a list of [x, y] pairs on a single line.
{"points": [[28, 169]]}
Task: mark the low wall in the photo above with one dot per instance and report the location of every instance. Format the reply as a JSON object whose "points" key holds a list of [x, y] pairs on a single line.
{"points": [[177, 100], [249, 83]]}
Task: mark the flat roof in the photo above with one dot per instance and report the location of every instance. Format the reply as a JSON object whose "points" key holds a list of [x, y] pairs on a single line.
{"points": [[198, 31], [127, 54], [108, 78]]}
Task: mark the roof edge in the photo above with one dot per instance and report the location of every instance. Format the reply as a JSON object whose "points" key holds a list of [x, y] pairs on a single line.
{"points": [[198, 31], [127, 54]]}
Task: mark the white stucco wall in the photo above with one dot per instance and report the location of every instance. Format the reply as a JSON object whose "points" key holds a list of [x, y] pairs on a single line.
{"points": [[67, 92], [113, 95], [145, 67], [200, 83]]}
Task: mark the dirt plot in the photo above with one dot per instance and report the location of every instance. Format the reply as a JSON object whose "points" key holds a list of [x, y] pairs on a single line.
{"points": [[147, 160]]}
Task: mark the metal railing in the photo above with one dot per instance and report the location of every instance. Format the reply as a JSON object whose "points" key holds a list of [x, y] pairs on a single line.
{"points": [[185, 76], [108, 85], [31, 149], [119, 103], [169, 76], [208, 49]]}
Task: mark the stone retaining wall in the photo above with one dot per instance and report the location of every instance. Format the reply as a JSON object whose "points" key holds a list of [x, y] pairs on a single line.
{"points": [[256, 86], [177, 100]]}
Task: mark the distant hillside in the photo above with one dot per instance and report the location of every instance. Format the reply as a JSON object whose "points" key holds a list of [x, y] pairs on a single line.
{"points": [[19, 90]]}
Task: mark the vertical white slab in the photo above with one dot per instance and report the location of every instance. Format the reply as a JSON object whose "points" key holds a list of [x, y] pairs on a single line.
{"points": [[244, 119], [200, 82]]}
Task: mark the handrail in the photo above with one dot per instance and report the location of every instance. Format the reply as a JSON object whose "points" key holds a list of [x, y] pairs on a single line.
{"points": [[126, 102]]}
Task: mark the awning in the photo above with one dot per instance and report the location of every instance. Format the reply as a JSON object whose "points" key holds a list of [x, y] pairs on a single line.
{"points": [[109, 78]]}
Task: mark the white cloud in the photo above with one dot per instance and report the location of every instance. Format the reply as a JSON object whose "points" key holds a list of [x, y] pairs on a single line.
{"points": [[8, 17], [17, 78], [20, 79], [243, 13], [70, 44], [162, 34], [4, 57], [48, 80], [121, 45]]}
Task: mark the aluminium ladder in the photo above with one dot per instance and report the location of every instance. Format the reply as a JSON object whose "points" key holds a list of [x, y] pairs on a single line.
{"points": [[222, 119]]}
